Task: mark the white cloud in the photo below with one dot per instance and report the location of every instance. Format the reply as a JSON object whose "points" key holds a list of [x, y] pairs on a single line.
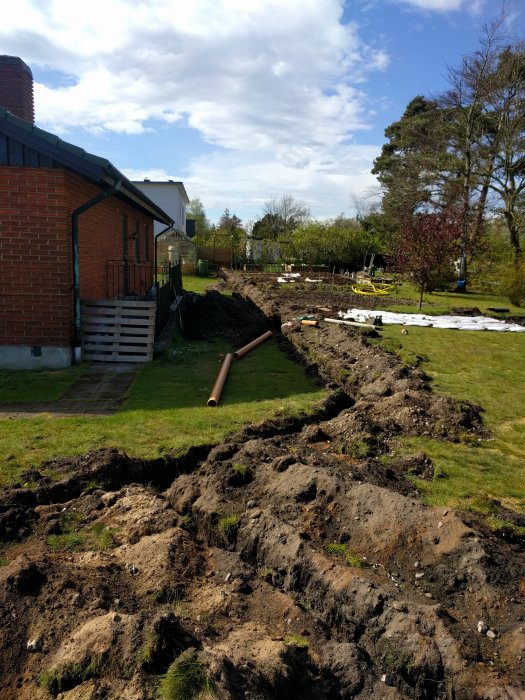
{"points": [[277, 87], [240, 72], [244, 181], [473, 6]]}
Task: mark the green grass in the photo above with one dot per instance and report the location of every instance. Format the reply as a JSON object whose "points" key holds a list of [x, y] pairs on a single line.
{"points": [[228, 524], [297, 640], [341, 550], [356, 561], [185, 679], [65, 677], [76, 538], [240, 469], [485, 368], [195, 283], [442, 302], [166, 410], [336, 548], [44, 385]]}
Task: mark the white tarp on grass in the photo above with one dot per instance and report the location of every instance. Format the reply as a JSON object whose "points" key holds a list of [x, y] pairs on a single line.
{"points": [[465, 323]]}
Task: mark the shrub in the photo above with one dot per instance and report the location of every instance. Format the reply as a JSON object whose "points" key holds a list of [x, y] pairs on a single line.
{"points": [[514, 284]]}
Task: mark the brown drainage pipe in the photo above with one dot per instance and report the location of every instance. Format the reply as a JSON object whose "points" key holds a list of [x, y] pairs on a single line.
{"points": [[242, 351], [221, 378]]}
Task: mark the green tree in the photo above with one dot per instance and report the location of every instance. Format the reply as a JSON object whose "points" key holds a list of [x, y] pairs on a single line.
{"points": [[506, 111], [380, 226], [231, 234], [410, 166], [472, 139], [341, 242], [280, 217], [425, 248], [203, 227]]}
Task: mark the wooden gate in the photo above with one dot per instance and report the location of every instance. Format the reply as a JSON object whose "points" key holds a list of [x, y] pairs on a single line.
{"points": [[118, 330]]}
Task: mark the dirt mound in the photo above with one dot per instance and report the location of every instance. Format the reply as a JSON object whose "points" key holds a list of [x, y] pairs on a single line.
{"points": [[215, 315], [294, 561]]}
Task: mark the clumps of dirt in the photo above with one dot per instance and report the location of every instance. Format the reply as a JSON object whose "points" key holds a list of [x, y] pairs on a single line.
{"points": [[388, 401], [302, 581], [294, 560], [281, 302], [102, 469]]}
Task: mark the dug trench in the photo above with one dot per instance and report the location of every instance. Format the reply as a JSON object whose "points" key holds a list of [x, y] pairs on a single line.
{"points": [[296, 560]]}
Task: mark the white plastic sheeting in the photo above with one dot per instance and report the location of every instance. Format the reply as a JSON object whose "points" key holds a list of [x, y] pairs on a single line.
{"points": [[465, 323], [292, 277], [288, 277]]}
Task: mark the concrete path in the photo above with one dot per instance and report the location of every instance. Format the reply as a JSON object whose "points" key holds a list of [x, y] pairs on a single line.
{"points": [[99, 392]]}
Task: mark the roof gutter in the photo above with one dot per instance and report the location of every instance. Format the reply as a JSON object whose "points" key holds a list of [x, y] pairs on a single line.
{"points": [[132, 193], [76, 267]]}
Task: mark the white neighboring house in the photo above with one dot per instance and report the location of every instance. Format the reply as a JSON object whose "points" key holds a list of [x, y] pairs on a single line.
{"points": [[173, 197], [174, 245]]}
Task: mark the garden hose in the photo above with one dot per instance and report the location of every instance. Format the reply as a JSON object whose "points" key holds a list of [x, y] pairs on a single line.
{"points": [[372, 289]]}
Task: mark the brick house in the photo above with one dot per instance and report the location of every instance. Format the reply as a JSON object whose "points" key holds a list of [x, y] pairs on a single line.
{"points": [[72, 227]]}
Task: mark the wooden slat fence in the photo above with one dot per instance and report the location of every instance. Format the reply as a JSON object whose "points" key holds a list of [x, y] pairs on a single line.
{"points": [[118, 330]]}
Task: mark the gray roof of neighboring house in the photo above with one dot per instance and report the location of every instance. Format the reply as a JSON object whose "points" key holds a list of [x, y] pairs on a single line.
{"points": [[94, 168], [176, 183]]}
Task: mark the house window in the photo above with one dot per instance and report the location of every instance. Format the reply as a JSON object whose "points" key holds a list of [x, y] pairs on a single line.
{"points": [[136, 241], [146, 242]]}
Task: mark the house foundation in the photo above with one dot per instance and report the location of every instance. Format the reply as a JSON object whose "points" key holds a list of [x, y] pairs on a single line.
{"points": [[36, 357]]}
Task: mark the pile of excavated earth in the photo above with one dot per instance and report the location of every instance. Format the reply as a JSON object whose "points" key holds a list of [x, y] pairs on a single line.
{"points": [[296, 560]]}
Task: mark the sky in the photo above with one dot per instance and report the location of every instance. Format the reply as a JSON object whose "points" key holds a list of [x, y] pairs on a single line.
{"points": [[242, 100]]}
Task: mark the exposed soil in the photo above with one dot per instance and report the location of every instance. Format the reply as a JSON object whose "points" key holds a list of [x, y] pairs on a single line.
{"points": [[294, 561]]}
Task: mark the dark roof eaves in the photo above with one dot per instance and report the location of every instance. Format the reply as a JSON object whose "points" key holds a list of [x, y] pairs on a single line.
{"points": [[86, 164]]}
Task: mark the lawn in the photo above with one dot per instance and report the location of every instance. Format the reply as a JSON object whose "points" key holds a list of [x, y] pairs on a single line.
{"points": [[195, 283], [486, 368], [45, 385], [444, 301], [166, 408]]}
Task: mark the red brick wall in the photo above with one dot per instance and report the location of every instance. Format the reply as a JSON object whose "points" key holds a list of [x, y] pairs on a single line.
{"points": [[100, 238], [35, 258], [36, 302]]}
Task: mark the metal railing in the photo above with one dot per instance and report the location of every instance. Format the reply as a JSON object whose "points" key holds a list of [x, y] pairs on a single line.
{"points": [[129, 280], [136, 281], [166, 295]]}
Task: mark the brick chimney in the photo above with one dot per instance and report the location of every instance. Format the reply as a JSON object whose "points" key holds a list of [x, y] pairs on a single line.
{"points": [[16, 87]]}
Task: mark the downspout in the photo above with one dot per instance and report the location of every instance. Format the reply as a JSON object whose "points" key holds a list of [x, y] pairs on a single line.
{"points": [[76, 268], [164, 230]]}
